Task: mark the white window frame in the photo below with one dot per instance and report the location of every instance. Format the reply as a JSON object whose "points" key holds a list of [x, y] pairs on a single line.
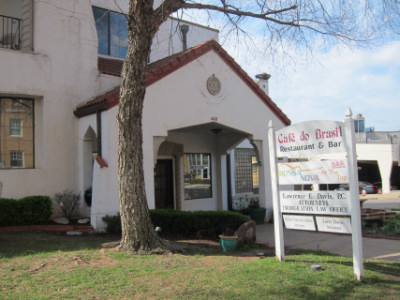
{"points": [[19, 127], [20, 158]]}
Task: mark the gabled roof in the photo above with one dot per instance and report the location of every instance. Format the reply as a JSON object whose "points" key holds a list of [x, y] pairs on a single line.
{"points": [[166, 66]]}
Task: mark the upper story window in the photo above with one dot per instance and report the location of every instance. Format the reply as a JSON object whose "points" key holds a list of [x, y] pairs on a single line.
{"points": [[10, 32], [112, 32], [16, 24], [16, 133], [16, 127]]}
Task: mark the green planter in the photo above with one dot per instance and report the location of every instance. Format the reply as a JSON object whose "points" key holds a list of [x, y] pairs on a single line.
{"points": [[258, 214], [228, 243]]}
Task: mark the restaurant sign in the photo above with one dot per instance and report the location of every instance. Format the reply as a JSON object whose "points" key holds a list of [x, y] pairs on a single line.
{"points": [[308, 139]]}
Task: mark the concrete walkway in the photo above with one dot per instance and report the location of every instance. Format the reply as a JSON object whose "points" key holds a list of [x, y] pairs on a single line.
{"points": [[376, 248]]}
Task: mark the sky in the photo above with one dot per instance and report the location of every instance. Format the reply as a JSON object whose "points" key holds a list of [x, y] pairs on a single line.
{"points": [[322, 87], [323, 84]]}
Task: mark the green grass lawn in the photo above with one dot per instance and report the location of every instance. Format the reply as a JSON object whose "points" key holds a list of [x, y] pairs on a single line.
{"points": [[37, 265]]}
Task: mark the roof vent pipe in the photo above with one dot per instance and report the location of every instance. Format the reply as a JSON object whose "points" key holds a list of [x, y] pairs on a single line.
{"points": [[184, 30], [262, 81]]}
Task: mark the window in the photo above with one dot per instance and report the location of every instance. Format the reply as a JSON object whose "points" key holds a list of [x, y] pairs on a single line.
{"points": [[16, 133], [246, 171], [16, 159], [255, 171], [112, 32], [16, 127], [197, 176]]}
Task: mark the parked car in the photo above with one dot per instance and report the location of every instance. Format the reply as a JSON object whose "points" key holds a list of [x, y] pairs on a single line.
{"points": [[362, 185], [368, 187], [379, 185]]}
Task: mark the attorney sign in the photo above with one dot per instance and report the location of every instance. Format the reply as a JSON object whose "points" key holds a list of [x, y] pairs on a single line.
{"points": [[315, 203]]}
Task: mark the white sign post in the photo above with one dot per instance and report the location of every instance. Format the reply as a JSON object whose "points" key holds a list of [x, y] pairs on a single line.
{"points": [[327, 211], [278, 228], [354, 196]]}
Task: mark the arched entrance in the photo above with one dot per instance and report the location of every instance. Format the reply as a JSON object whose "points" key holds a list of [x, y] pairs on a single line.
{"points": [[89, 151]]}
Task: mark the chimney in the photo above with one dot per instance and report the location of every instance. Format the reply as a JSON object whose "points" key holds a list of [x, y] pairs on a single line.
{"points": [[262, 81], [184, 30]]}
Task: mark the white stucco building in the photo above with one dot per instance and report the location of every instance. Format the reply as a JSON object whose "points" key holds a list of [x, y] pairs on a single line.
{"points": [[59, 97], [378, 155]]}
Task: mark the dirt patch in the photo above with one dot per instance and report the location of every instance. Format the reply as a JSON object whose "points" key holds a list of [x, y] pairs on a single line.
{"points": [[210, 247]]}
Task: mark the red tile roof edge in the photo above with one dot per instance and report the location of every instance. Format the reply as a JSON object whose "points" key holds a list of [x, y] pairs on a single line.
{"points": [[167, 65], [102, 102], [101, 162]]}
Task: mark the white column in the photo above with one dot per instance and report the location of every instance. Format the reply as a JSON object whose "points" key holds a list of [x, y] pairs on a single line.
{"points": [[385, 168], [354, 197], [278, 224], [223, 183]]}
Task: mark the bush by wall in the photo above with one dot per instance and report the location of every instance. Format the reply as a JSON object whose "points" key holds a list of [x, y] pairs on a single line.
{"points": [[26, 211], [207, 224], [113, 223]]}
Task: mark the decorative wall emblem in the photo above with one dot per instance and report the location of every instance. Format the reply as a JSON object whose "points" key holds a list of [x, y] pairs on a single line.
{"points": [[213, 85]]}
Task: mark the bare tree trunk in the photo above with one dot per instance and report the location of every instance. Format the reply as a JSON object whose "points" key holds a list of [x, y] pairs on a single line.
{"points": [[138, 234]]}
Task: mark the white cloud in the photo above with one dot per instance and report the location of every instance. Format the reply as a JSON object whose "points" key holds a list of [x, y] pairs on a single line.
{"points": [[367, 81]]}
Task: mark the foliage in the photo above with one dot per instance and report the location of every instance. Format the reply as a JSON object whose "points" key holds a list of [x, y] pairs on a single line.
{"points": [[113, 223], [392, 226], [68, 202], [25, 211], [254, 202], [207, 224], [389, 227], [243, 205]]}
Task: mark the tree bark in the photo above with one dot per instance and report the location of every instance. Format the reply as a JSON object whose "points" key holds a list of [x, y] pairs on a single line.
{"points": [[138, 234]]}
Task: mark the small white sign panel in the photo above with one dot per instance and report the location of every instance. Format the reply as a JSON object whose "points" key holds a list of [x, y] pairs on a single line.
{"points": [[310, 138], [315, 203], [310, 172], [331, 224], [299, 222]]}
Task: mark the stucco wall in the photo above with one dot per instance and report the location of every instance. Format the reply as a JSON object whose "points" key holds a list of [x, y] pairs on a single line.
{"points": [[60, 73]]}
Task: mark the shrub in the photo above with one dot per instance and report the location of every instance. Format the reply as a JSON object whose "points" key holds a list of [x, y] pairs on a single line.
{"points": [[68, 202], [26, 211], [113, 223], [36, 209], [207, 224], [8, 212]]}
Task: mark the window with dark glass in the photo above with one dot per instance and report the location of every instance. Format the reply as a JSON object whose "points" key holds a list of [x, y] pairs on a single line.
{"points": [[112, 32], [197, 176], [16, 159], [16, 133], [246, 171]]}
